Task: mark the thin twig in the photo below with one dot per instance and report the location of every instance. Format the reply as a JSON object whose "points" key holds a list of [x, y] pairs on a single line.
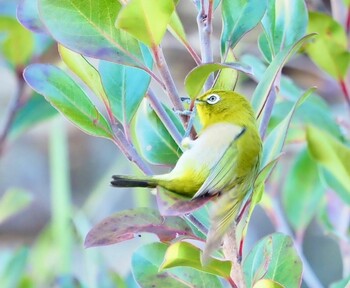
{"points": [[167, 78], [342, 226], [193, 53], [129, 151], [204, 22], [164, 117], [13, 109], [199, 225]]}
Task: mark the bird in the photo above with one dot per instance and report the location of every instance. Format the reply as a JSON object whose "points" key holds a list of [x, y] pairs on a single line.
{"points": [[223, 160]]}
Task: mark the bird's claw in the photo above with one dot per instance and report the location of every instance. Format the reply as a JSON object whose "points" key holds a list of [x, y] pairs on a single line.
{"points": [[187, 143], [183, 112]]}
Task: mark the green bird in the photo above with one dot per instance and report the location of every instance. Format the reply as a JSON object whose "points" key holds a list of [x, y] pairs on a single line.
{"points": [[223, 160]]}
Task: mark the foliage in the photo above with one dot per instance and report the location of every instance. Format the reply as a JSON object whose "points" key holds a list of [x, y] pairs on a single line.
{"points": [[111, 59]]}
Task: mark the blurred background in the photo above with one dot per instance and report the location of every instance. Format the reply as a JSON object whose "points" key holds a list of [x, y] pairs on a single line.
{"points": [[45, 155]]}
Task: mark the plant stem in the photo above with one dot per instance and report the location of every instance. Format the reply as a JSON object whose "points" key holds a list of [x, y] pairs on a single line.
{"points": [[199, 225], [164, 117], [167, 78], [14, 105], [193, 53], [278, 219], [231, 253], [129, 151], [271, 99], [345, 91], [61, 196], [348, 21], [342, 226], [204, 22]]}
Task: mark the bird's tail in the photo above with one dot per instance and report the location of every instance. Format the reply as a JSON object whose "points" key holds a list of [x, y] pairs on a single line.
{"points": [[223, 215], [130, 181]]}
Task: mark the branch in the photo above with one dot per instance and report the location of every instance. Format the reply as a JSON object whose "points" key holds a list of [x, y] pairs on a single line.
{"points": [[13, 109], [278, 219], [231, 252], [164, 117], [167, 78], [204, 22], [129, 151]]}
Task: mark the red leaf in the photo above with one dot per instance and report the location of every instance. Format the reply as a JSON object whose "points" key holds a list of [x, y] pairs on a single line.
{"points": [[128, 224]]}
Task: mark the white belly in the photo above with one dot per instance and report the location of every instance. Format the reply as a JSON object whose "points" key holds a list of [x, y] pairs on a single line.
{"points": [[207, 149]]}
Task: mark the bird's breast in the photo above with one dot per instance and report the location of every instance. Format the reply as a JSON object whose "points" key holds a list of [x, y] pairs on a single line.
{"points": [[207, 149]]}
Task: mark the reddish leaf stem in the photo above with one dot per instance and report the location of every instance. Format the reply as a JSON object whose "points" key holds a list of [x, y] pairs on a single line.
{"points": [[13, 109], [348, 21], [193, 53], [345, 91]]}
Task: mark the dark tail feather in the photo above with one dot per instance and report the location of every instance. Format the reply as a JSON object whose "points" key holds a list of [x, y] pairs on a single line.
{"points": [[129, 181]]}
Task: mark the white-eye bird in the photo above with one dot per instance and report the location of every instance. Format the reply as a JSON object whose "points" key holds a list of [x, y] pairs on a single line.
{"points": [[223, 160]]}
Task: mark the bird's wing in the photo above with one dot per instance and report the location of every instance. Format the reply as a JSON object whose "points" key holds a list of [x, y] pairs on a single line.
{"points": [[221, 173]]}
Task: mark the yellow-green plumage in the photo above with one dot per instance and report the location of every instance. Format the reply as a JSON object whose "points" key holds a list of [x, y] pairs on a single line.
{"points": [[223, 159]]}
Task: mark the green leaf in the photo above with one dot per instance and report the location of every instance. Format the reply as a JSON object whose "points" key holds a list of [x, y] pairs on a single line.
{"points": [[152, 139], [329, 180], [315, 110], [239, 17], [147, 20], [176, 28], [85, 71], [227, 78], [28, 15], [11, 276], [125, 87], [342, 283], [302, 192], [68, 98], [275, 140], [145, 265], [196, 78], [34, 111], [284, 24], [267, 283], [332, 155], [186, 255], [264, 87], [12, 202], [329, 49], [127, 224], [17, 43], [88, 28], [274, 258]]}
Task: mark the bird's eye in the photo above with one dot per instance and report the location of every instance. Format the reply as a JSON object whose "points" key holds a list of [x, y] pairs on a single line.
{"points": [[213, 98]]}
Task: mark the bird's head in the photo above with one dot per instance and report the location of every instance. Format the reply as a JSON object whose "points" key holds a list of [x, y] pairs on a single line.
{"points": [[224, 106]]}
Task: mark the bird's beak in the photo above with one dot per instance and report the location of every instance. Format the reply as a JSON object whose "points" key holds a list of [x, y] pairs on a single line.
{"points": [[197, 101]]}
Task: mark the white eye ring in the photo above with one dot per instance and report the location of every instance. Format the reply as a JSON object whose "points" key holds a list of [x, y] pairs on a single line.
{"points": [[213, 99]]}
